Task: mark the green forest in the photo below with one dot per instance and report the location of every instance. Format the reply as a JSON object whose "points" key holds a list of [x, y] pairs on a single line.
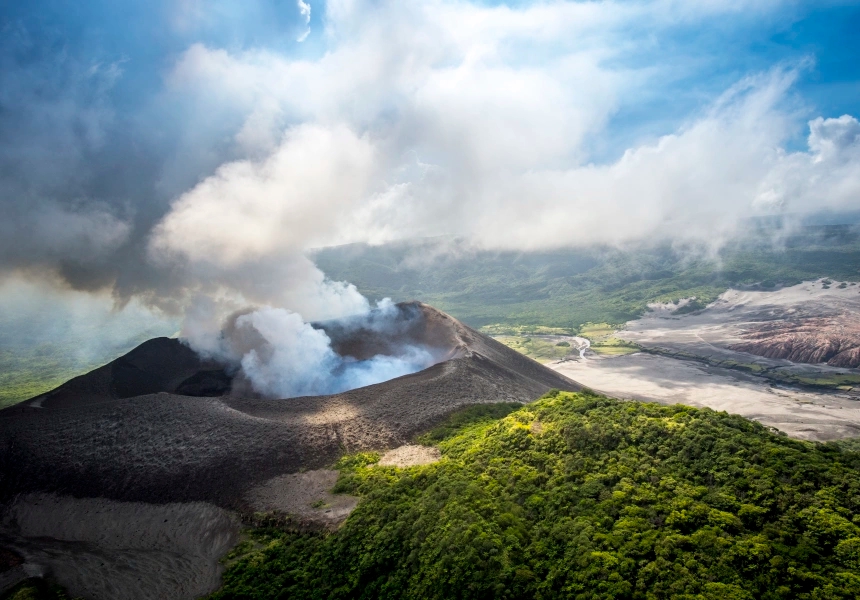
{"points": [[580, 496], [570, 287]]}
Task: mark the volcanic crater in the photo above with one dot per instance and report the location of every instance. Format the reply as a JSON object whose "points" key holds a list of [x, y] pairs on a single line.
{"points": [[165, 434]]}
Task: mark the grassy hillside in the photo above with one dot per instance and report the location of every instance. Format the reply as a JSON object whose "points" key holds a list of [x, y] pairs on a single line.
{"points": [[25, 373], [580, 496], [568, 288]]}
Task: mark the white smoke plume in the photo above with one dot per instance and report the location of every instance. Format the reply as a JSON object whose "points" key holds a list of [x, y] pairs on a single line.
{"points": [[280, 355], [513, 127]]}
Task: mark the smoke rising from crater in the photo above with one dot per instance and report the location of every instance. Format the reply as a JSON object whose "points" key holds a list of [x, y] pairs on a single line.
{"points": [[205, 161], [280, 355]]}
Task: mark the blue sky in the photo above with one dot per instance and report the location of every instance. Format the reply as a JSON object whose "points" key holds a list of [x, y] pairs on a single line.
{"points": [[819, 36], [703, 59], [164, 150]]}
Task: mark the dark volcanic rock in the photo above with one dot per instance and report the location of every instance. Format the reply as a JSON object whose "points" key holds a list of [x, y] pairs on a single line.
{"points": [[95, 437], [206, 383], [157, 365]]}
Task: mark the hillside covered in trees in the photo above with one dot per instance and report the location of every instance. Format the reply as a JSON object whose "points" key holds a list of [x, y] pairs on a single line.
{"points": [[580, 496]]}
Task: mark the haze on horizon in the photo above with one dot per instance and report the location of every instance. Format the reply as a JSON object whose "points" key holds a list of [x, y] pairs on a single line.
{"points": [[192, 151]]}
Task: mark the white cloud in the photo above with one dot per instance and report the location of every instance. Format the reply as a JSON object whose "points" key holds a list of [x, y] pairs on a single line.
{"points": [[249, 210], [305, 12], [448, 117], [834, 138]]}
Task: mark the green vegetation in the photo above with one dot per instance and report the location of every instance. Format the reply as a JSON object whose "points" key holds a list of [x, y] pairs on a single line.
{"points": [[844, 381], [567, 288], [499, 329], [536, 348], [603, 340], [615, 347], [477, 414], [24, 374], [597, 332], [698, 303], [580, 496]]}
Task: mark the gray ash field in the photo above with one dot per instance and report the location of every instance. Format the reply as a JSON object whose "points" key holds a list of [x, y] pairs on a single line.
{"points": [[193, 436]]}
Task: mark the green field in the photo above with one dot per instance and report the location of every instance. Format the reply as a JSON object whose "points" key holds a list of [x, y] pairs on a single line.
{"points": [[536, 348], [531, 340], [580, 496], [26, 374]]}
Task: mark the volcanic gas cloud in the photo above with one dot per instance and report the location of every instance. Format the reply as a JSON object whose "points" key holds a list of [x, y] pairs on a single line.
{"points": [[274, 353]]}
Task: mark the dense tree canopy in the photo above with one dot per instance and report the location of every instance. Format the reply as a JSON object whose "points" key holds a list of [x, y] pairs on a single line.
{"points": [[581, 496]]}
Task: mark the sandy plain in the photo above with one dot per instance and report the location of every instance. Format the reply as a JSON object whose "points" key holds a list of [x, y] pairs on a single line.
{"points": [[800, 413], [305, 496], [707, 337]]}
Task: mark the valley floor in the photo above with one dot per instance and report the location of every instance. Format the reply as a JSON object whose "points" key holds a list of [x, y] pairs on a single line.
{"points": [[804, 414], [695, 359]]}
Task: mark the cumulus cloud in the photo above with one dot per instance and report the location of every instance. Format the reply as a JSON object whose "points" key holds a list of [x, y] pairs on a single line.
{"points": [[250, 210], [468, 138], [401, 119]]}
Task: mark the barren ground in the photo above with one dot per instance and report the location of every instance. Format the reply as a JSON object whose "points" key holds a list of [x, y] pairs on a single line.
{"points": [[306, 496], [809, 323], [799, 413], [709, 338], [410, 455], [104, 550]]}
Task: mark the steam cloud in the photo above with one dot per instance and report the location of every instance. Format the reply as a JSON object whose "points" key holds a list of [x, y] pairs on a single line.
{"points": [[282, 356], [212, 169], [199, 166]]}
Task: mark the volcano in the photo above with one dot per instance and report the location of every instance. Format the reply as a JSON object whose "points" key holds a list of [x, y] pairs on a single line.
{"points": [[160, 424], [162, 429]]}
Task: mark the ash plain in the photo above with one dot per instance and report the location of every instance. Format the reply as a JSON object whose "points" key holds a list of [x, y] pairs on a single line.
{"points": [[691, 359]]}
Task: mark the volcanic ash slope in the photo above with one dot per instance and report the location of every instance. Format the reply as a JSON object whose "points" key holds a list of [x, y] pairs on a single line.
{"points": [[161, 427]]}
